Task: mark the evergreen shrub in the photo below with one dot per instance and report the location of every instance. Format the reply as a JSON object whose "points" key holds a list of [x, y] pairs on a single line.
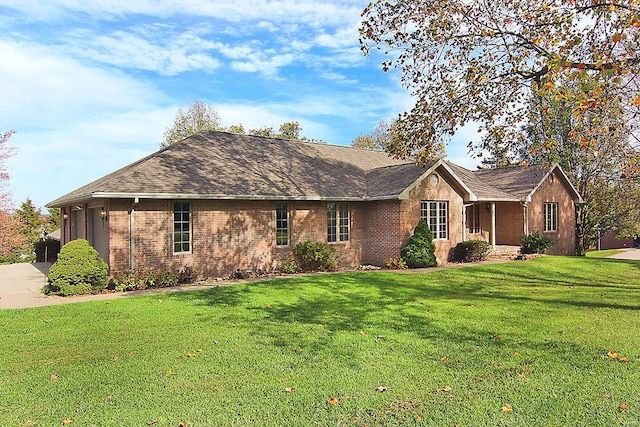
{"points": [[79, 270], [420, 251]]}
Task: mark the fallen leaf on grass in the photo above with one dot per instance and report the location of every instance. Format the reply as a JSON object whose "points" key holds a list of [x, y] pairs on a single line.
{"points": [[289, 389], [47, 320], [131, 353], [67, 421], [606, 395], [268, 305], [506, 408], [515, 353], [362, 332], [182, 424], [29, 423], [623, 406], [115, 358], [444, 359], [381, 389], [447, 389], [480, 379], [612, 354], [333, 401], [623, 359], [497, 337], [152, 422], [53, 377]]}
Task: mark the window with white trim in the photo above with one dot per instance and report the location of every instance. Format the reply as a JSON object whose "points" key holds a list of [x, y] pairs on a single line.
{"points": [[473, 219], [282, 224], [181, 227], [551, 216], [436, 215], [337, 222]]}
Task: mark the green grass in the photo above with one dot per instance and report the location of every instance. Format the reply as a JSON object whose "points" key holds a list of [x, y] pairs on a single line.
{"points": [[452, 347], [603, 253]]}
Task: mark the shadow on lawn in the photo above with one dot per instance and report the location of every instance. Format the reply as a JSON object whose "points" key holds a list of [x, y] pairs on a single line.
{"points": [[307, 314], [346, 298]]}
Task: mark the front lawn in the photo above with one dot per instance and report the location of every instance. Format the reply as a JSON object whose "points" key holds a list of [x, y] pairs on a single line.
{"points": [[554, 341]]}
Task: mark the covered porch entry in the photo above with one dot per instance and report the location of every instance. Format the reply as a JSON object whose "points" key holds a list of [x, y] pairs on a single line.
{"points": [[501, 223]]}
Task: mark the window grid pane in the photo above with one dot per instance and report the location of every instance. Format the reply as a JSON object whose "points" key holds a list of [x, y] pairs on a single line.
{"points": [[332, 233], [473, 219], [551, 217], [343, 214], [181, 227], [282, 224], [435, 214]]}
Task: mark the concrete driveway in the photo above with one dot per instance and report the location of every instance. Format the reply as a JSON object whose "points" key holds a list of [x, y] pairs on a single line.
{"points": [[633, 254], [21, 285]]}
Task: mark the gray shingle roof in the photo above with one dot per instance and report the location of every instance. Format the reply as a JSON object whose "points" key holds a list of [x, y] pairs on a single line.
{"points": [[519, 181], [482, 188], [220, 164], [224, 165]]}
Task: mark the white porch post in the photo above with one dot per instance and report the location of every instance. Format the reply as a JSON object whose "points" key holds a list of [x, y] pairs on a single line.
{"points": [[493, 225]]}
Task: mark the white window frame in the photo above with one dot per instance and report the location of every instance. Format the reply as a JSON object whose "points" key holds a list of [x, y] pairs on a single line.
{"points": [[178, 209], [436, 214], [473, 219], [338, 222], [282, 224], [550, 217]]}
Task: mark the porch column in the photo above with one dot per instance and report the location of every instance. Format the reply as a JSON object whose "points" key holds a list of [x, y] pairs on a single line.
{"points": [[493, 225]]}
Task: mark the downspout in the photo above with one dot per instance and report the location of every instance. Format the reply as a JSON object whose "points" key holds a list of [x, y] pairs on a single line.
{"points": [[493, 225], [525, 215], [132, 241]]}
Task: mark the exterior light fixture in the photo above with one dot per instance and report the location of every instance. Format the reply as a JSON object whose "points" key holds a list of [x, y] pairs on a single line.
{"points": [[103, 214]]}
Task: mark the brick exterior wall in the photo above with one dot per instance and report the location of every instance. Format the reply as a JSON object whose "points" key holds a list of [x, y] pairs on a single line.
{"points": [[382, 237], [410, 214], [510, 223], [554, 190], [228, 234]]}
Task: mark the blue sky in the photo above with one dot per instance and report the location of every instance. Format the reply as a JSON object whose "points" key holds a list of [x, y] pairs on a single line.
{"points": [[91, 85]]}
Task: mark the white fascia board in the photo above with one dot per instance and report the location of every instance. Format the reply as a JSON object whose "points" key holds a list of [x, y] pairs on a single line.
{"points": [[186, 196]]}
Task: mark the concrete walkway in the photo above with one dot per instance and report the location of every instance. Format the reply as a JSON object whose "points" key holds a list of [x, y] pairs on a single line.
{"points": [[633, 254]]}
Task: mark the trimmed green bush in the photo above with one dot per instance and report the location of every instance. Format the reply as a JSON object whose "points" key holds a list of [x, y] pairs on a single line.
{"points": [[471, 251], [289, 266], [187, 275], [128, 280], [420, 251], [536, 243], [79, 270], [396, 263], [315, 256]]}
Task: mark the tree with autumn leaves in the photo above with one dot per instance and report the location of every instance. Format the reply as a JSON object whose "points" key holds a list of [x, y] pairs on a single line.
{"points": [[593, 150], [11, 240], [480, 62]]}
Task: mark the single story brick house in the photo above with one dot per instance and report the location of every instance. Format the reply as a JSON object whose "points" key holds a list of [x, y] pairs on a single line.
{"points": [[219, 201]]}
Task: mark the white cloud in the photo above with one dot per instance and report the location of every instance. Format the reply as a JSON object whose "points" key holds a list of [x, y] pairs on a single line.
{"points": [[73, 122], [153, 48], [41, 88], [308, 12]]}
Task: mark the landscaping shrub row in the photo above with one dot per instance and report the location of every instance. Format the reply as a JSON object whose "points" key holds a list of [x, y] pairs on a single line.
{"points": [[79, 270]]}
